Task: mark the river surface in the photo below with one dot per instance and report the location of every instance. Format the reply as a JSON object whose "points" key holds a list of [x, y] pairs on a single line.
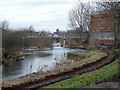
{"points": [[35, 61]]}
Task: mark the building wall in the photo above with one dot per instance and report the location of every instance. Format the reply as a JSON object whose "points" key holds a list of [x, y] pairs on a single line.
{"points": [[103, 22], [103, 27]]}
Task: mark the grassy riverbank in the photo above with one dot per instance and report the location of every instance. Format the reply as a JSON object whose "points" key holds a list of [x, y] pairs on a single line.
{"points": [[86, 54], [87, 78], [64, 65]]}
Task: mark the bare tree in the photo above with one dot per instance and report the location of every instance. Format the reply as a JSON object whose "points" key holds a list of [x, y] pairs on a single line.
{"points": [[79, 19], [79, 16], [4, 25], [43, 42], [108, 6], [31, 28]]}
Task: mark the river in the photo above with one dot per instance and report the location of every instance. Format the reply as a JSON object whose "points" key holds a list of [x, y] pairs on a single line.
{"points": [[36, 61]]}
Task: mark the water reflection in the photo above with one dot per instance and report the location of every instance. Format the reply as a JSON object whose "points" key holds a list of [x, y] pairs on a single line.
{"points": [[36, 61]]}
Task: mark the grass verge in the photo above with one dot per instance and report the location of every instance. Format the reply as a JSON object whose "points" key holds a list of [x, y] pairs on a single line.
{"points": [[86, 54], [87, 78]]}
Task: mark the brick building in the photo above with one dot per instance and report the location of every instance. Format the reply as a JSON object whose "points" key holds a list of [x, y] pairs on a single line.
{"points": [[105, 28]]}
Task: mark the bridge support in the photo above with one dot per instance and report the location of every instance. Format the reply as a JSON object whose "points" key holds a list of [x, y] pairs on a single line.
{"points": [[64, 42]]}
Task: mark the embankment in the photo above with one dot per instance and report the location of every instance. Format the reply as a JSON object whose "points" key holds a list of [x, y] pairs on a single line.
{"points": [[64, 75]]}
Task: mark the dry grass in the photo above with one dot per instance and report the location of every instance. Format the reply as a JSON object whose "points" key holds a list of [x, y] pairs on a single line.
{"points": [[65, 65], [86, 78]]}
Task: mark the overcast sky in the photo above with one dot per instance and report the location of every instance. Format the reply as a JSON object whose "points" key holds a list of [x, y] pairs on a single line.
{"points": [[42, 14]]}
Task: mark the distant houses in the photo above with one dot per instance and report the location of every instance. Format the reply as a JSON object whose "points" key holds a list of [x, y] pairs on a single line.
{"points": [[59, 33], [104, 28]]}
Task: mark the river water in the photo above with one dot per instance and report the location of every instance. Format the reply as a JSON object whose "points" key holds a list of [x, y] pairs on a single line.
{"points": [[35, 61]]}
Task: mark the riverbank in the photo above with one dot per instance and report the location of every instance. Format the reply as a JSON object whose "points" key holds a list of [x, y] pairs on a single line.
{"points": [[60, 68], [88, 78], [76, 47], [84, 55], [13, 57], [21, 55]]}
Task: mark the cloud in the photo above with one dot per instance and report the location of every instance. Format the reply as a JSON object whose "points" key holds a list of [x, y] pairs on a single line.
{"points": [[42, 14]]}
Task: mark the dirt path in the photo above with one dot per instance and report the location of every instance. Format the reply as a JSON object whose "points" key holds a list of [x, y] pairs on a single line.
{"points": [[64, 75]]}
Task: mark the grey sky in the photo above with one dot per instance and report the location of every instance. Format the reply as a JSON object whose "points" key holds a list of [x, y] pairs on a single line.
{"points": [[42, 14]]}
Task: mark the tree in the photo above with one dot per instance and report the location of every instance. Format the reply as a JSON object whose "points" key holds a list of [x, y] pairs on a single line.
{"points": [[79, 19], [31, 28], [108, 6], [12, 41], [4, 25], [42, 42], [79, 16]]}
